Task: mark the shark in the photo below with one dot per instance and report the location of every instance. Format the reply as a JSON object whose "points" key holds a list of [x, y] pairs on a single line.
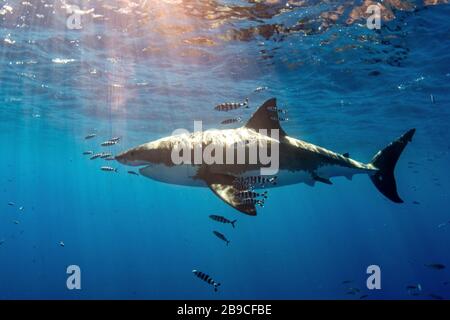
{"points": [[298, 161]]}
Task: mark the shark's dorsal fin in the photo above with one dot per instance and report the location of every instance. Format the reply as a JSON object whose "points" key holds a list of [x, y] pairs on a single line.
{"points": [[266, 117]]}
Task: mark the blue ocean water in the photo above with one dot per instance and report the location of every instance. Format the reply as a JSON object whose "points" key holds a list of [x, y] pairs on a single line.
{"points": [[141, 69]]}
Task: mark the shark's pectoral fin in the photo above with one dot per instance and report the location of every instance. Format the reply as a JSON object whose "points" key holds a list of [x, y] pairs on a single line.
{"points": [[227, 194], [222, 186], [320, 179]]}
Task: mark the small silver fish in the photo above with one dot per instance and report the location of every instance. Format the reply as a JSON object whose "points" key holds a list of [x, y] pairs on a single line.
{"points": [[133, 173], [436, 266], [88, 153], [108, 143], [11, 204], [90, 136], [231, 105], [252, 202], [432, 98], [206, 278], [441, 225], [96, 156], [254, 181], [115, 139], [279, 119], [250, 194], [230, 121], [414, 287], [61, 244], [105, 155], [221, 237], [108, 169], [222, 220], [275, 109], [260, 89]]}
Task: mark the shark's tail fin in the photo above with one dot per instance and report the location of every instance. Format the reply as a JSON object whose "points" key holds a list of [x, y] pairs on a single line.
{"points": [[385, 161]]}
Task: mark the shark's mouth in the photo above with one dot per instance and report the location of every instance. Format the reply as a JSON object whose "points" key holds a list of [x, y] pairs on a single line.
{"points": [[123, 159]]}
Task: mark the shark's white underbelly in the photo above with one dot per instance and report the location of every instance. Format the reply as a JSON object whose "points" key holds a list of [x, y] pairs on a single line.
{"points": [[180, 174], [186, 174]]}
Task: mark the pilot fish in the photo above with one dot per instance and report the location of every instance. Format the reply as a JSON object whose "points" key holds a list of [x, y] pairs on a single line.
{"points": [[230, 121], [279, 119], [221, 237], [106, 155], [231, 105], [437, 266], [96, 156], [248, 194], [260, 89], [253, 181], [252, 202], [206, 278], [275, 109], [108, 143], [222, 220]]}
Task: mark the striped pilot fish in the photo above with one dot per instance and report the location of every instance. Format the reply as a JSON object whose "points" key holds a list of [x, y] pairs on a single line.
{"points": [[232, 120], [222, 220], [108, 169], [206, 278], [231, 105], [253, 202], [105, 155], [248, 194], [275, 109], [248, 182], [96, 156], [108, 143], [260, 89], [221, 237], [279, 119]]}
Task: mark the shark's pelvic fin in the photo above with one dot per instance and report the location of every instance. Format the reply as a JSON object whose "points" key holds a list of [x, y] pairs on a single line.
{"points": [[266, 117], [222, 186], [320, 179]]}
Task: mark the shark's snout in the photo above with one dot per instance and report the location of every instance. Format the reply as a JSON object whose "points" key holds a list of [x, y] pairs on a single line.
{"points": [[121, 158], [132, 157]]}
